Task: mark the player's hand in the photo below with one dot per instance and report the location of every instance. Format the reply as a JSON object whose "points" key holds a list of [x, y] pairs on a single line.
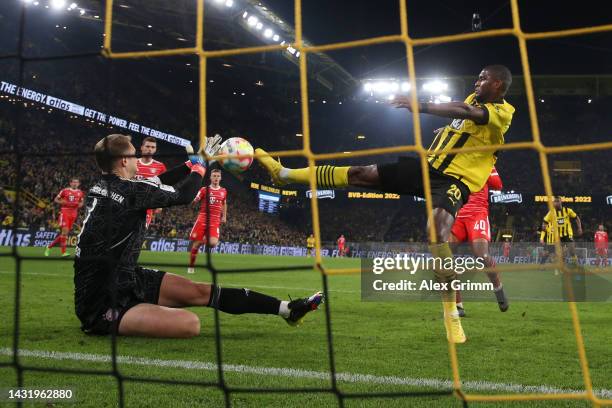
{"points": [[579, 232], [401, 102], [213, 145]]}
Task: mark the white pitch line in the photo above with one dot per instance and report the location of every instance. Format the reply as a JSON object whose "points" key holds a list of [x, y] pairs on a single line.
{"points": [[306, 374]]}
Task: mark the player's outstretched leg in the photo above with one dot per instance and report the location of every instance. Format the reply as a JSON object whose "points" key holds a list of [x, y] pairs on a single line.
{"points": [[326, 176], [165, 319]]}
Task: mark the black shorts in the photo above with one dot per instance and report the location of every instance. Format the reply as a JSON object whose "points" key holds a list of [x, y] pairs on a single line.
{"points": [[145, 290], [405, 177]]}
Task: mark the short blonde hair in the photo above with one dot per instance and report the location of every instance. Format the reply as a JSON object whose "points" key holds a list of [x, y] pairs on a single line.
{"points": [[110, 149]]}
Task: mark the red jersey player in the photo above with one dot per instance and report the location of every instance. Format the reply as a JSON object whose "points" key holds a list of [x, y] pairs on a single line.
{"points": [[472, 224], [147, 167], [601, 246], [341, 241], [215, 212], [70, 200]]}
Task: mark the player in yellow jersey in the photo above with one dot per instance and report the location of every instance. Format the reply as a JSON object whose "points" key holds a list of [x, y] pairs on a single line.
{"points": [[310, 245], [563, 224], [481, 120]]}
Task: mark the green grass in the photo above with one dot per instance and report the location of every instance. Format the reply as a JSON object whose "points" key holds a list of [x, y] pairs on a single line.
{"points": [[532, 344]]}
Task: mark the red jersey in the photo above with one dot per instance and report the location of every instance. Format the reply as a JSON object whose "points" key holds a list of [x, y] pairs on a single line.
{"points": [[478, 203], [72, 199], [216, 202], [153, 169], [601, 239], [341, 241]]}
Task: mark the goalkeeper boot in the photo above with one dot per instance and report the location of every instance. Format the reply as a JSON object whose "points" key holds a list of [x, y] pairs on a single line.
{"points": [[454, 330], [47, 251], [502, 300], [299, 307], [66, 254], [272, 166]]}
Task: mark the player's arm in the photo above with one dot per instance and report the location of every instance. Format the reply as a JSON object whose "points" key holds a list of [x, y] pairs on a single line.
{"points": [[495, 182], [59, 199], [224, 215], [578, 226], [148, 194], [81, 201], [453, 110], [176, 174]]}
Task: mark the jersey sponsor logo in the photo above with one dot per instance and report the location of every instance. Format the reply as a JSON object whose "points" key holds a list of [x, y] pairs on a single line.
{"points": [[322, 194], [507, 198]]}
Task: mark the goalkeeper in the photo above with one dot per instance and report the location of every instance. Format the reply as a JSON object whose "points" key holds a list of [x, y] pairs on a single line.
{"points": [[113, 293], [480, 121]]}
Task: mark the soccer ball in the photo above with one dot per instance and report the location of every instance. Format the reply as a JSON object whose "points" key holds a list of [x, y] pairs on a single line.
{"points": [[236, 146]]}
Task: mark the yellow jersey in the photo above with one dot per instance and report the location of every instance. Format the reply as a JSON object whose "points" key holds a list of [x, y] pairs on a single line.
{"points": [[564, 224], [310, 242], [471, 168]]}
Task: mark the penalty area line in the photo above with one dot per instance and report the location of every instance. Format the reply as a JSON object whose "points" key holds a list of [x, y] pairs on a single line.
{"points": [[300, 373]]}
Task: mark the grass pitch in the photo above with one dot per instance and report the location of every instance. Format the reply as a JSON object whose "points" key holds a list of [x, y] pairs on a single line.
{"points": [[378, 347]]}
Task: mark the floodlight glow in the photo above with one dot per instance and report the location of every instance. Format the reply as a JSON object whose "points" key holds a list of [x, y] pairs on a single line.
{"points": [[27, 1], [391, 97], [245, 14], [367, 87], [291, 50], [297, 54], [444, 98], [229, 3], [405, 86], [36, 3], [394, 86], [72, 6], [252, 21], [435, 86], [268, 33], [58, 4], [81, 11], [282, 42], [275, 37]]}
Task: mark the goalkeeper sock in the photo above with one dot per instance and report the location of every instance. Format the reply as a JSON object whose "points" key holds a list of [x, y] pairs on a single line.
{"points": [[326, 176], [192, 256], [63, 244], [55, 241], [239, 301]]}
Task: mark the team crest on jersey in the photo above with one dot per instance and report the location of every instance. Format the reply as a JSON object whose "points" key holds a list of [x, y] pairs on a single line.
{"points": [[457, 123]]}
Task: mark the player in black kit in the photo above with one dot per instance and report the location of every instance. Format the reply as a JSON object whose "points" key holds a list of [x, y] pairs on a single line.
{"points": [[113, 293]]}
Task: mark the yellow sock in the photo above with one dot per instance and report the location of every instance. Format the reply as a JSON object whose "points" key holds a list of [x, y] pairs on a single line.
{"points": [[326, 176], [449, 300]]}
